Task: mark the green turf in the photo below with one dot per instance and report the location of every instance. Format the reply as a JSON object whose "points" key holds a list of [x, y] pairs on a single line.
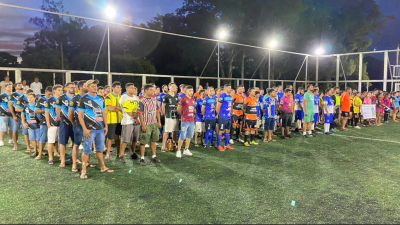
{"points": [[332, 179]]}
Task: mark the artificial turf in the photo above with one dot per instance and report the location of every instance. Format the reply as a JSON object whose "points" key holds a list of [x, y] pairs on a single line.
{"points": [[331, 179]]}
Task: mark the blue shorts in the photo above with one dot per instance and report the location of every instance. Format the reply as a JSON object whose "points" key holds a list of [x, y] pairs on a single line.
{"points": [[298, 114], [64, 133], [34, 134], [269, 124], [78, 135], [16, 125], [316, 115], [43, 134], [6, 123], [210, 124], [328, 118], [98, 137], [224, 124], [187, 130]]}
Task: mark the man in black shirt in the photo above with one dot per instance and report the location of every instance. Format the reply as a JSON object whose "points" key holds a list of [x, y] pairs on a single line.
{"points": [[6, 120], [39, 108], [169, 106]]}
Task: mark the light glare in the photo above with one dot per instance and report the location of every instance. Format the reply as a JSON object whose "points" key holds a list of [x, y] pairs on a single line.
{"points": [[319, 51], [222, 34], [110, 12]]}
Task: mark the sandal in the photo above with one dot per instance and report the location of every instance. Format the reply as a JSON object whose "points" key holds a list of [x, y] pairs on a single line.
{"points": [[61, 165], [196, 145], [107, 157], [107, 171], [74, 170], [343, 129], [28, 151], [91, 165], [38, 157], [34, 154], [83, 176], [15, 149], [51, 162], [272, 140], [163, 151], [265, 140]]}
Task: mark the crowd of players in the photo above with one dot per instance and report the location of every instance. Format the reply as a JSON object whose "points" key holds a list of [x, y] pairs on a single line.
{"points": [[92, 117]]}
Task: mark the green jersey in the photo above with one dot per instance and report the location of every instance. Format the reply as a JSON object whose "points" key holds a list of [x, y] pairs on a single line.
{"points": [[310, 102]]}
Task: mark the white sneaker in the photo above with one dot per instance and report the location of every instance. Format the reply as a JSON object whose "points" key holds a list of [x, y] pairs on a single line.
{"points": [[146, 146], [179, 154], [230, 142], [156, 144], [241, 140], [357, 127], [1, 143], [10, 141], [80, 147], [187, 152]]}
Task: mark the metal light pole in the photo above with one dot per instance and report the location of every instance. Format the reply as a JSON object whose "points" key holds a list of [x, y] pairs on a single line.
{"points": [[109, 60], [219, 82], [269, 68]]}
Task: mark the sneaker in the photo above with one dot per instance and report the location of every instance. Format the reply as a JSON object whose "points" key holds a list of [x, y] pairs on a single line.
{"points": [[305, 136], [10, 141], [134, 156], [328, 133], [229, 147], [296, 130], [386, 121], [221, 149], [240, 140], [1, 143], [155, 160], [253, 143], [80, 147], [146, 146], [310, 135], [231, 141], [357, 127], [247, 144], [121, 159], [179, 154], [289, 136], [205, 146], [142, 162], [334, 130], [283, 137], [187, 152]]}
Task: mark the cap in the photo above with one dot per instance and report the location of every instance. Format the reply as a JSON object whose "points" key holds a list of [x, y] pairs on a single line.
{"points": [[89, 82]]}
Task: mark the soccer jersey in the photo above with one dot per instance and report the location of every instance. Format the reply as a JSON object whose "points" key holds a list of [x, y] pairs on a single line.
{"points": [[171, 103], [198, 104], [188, 109], [63, 103], [356, 101], [73, 105], [269, 106], [92, 108], [279, 95], [237, 104], [316, 103], [345, 102], [250, 106], [181, 95], [298, 99], [310, 102], [40, 104], [148, 107], [50, 106], [4, 110], [226, 106], [209, 111], [128, 105], [286, 104], [31, 116], [396, 101], [328, 101], [112, 100], [160, 98]]}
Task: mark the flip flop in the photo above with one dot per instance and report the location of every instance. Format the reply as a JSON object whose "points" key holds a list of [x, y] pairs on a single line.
{"points": [[28, 151], [91, 165], [74, 170], [272, 140], [51, 162], [83, 176], [107, 157], [38, 157], [14, 149], [107, 171], [265, 141]]}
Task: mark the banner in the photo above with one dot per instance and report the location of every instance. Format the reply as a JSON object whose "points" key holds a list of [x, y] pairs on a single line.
{"points": [[368, 111]]}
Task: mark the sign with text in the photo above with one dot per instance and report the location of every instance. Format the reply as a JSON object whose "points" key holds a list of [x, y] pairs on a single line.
{"points": [[368, 111]]}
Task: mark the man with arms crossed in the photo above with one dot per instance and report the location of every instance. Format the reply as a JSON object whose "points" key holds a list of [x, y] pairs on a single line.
{"points": [[187, 110], [114, 117], [224, 107], [169, 106]]}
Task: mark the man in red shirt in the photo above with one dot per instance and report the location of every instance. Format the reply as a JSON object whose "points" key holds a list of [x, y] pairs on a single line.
{"points": [[345, 107], [187, 111]]}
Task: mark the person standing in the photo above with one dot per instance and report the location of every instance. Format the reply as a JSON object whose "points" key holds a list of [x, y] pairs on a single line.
{"points": [[40, 110], [345, 107], [208, 110], [200, 125], [36, 86], [357, 103], [114, 117], [237, 114], [316, 107], [53, 122], [298, 109], [198, 94], [92, 117], [160, 98], [16, 108], [150, 123], [250, 117], [169, 106], [25, 86], [286, 108], [329, 110], [269, 106], [187, 110], [30, 121], [224, 108], [308, 107], [4, 82], [6, 119]]}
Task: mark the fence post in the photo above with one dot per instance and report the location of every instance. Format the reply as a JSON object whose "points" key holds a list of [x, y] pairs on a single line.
{"points": [[54, 79], [305, 84], [316, 71], [67, 76], [360, 71], [17, 75], [172, 79], [337, 70], [385, 70], [197, 83], [143, 80], [254, 83], [109, 79], [238, 82]]}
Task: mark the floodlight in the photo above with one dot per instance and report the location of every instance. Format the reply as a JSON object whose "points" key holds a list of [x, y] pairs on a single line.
{"points": [[110, 12]]}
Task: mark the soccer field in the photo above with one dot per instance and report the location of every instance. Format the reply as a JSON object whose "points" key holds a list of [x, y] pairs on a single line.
{"points": [[330, 179]]}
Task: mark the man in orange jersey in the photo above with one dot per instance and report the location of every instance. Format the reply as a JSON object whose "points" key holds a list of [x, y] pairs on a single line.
{"points": [[237, 114], [250, 118]]}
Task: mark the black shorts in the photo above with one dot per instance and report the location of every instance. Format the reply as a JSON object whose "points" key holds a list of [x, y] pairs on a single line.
{"points": [[250, 125], [210, 124], [351, 109], [162, 118], [345, 114], [286, 119], [114, 129], [237, 120], [337, 113], [224, 124]]}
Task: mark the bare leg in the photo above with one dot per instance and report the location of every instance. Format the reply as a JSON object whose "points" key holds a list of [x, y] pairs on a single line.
{"points": [[122, 148], [180, 143], [75, 149], [153, 147], [117, 145], [2, 135], [62, 155], [195, 137], [99, 156], [55, 145], [50, 151], [109, 142], [15, 138], [187, 144], [142, 148], [164, 140], [85, 159]]}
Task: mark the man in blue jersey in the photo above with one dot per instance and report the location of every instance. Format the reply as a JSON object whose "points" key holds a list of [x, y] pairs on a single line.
{"points": [[160, 98], [208, 110], [40, 110], [329, 109], [316, 108], [269, 105], [183, 90], [224, 108], [298, 109], [31, 122], [200, 125], [19, 107], [52, 121], [6, 119], [92, 117], [66, 129], [279, 93]]}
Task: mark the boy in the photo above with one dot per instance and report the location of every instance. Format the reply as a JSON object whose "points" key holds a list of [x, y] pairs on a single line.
{"points": [[31, 122]]}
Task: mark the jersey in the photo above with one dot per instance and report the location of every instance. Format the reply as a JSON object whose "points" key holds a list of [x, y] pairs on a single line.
{"points": [[226, 106], [316, 103], [14, 98], [298, 99], [310, 102], [73, 105], [356, 101], [128, 105], [92, 108], [4, 110], [209, 111], [250, 107], [279, 95], [181, 95], [269, 105], [330, 104], [40, 105], [171, 104], [112, 100], [63, 103], [160, 98], [198, 104], [50, 106], [21, 102], [237, 104], [31, 116]]}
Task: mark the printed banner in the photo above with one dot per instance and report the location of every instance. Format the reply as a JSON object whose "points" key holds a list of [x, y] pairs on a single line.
{"points": [[368, 111]]}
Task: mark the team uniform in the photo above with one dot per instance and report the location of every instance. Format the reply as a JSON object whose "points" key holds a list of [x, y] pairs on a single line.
{"points": [[149, 108], [269, 114], [310, 107], [224, 117], [66, 128], [200, 125], [6, 120], [328, 115], [209, 117], [316, 109], [32, 121], [160, 98], [40, 105], [298, 112], [52, 132], [77, 128], [237, 109], [250, 106], [130, 128], [113, 118], [171, 115], [21, 102]]}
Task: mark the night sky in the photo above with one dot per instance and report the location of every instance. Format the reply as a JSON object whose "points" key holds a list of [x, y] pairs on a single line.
{"points": [[14, 25]]}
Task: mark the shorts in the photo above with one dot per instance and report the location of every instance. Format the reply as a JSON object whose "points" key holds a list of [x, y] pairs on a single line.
{"points": [[286, 119], [34, 134], [114, 129], [356, 115], [162, 120], [64, 133], [98, 137], [16, 125], [78, 135], [52, 135], [24, 131], [351, 109], [345, 114], [152, 134], [210, 124], [237, 120], [200, 127], [187, 130], [171, 125], [6, 123], [130, 132], [336, 113], [43, 133], [328, 118], [269, 124], [316, 116], [224, 124], [379, 110], [298, 114], [309, 117], [250, 125]]}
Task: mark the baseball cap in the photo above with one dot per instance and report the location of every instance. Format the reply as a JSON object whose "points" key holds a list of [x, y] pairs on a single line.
{"points": [[89, 82]]}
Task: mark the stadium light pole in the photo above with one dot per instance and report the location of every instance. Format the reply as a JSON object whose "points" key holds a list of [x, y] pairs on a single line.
{"points": [[272, 44], [320, 51], [221, 35], [110, 13]]}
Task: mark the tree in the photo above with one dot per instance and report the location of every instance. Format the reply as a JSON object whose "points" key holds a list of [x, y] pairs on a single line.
{"points": [[8, 60]]}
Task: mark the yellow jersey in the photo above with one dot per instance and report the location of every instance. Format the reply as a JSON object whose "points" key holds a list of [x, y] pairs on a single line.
{"points": [[356, 101], [112, 100]]}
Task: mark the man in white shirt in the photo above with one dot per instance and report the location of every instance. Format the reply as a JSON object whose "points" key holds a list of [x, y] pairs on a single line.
{"points": [[4, 82], [36, 86]]}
